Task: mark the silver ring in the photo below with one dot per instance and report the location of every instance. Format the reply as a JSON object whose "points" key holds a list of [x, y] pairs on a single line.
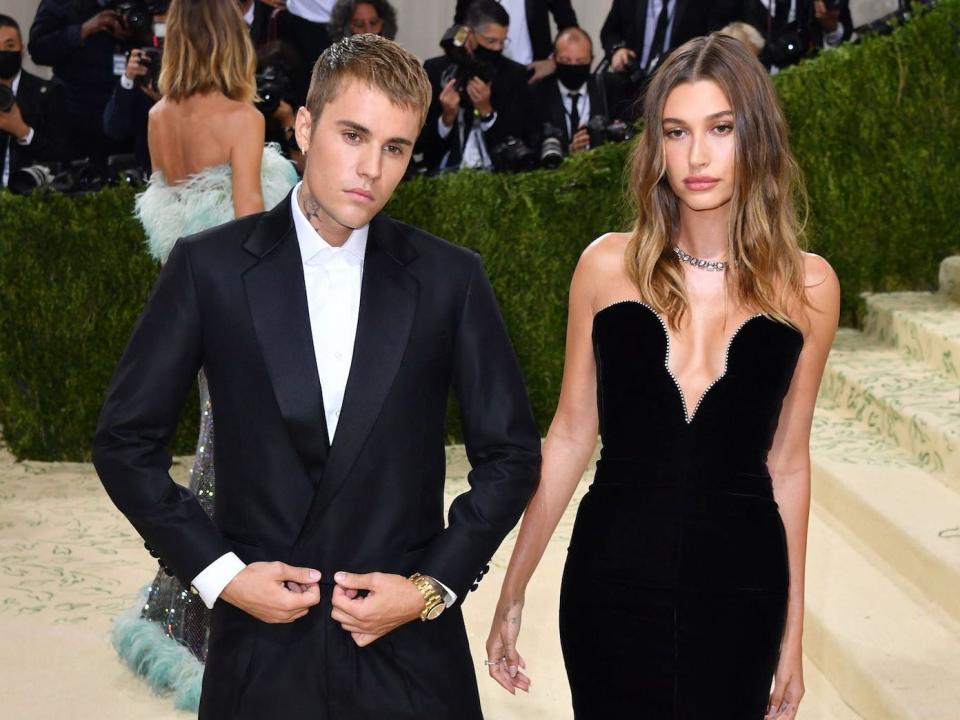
{"points": [[488, 663]]}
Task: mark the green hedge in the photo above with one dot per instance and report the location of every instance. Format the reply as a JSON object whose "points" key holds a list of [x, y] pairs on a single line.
{"points": [[875, 127]]}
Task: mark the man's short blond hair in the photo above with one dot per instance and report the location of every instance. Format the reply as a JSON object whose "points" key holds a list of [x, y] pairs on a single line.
{"points": [[376, 61]]}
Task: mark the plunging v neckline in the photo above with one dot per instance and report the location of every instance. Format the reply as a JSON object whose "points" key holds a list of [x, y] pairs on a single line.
{"points": [[688, 416]]}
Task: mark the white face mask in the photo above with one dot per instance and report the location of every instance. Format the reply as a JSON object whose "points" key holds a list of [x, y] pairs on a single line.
{"points": [[160, 30]]}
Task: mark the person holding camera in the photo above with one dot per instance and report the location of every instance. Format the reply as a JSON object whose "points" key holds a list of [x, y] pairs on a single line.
{"points": [[529, 37], [87, 47], [795, 29], [573, 98], [31, 109], [481, 99], [128, 111]]}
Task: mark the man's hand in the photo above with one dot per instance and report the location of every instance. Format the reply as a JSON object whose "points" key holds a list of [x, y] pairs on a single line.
{"points": [[134, 67], [12, 122], [391, 601], [542, 69], [828, 19], [450, 102], [261, 590], [479, 92], [104, 21], [279, 4], [580, 141], [621, 58]]}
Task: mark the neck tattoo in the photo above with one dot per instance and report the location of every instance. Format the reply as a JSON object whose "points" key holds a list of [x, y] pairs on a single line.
{"points": [[311, 209]]}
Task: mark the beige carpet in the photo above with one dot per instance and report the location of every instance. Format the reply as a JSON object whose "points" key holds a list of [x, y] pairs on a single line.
{"points": [[69, 562]]}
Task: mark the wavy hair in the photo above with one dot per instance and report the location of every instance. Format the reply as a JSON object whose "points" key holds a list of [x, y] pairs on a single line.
{"points": [[207, 49], [342, 15], [765, 231]]}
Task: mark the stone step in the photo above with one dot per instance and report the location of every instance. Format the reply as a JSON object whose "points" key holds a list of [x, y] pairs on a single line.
{"points": [[908, 517], [925, 326], [889, 654], [913, 406]]}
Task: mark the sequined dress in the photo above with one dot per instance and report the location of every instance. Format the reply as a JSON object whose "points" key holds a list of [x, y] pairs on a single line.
{"points": [[164, 636]]}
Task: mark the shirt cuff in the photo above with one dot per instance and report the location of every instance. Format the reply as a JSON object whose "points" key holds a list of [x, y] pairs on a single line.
{"points": [[833, 39], [449, 596], [442, 129], [26, 139], [216, 576], [126, 83], [489, 123]]}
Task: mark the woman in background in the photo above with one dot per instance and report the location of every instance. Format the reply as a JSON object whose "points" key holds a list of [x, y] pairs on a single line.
{"points": [[696, 344], [354, 17], [206, 142]]}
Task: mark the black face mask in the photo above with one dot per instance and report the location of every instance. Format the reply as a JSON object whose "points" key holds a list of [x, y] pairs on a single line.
{"points": [[573, 76], [10, 63], [486, 55]]}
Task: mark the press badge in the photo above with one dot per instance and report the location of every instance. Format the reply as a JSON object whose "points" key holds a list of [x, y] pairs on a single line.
{"points": [[119, 63]]}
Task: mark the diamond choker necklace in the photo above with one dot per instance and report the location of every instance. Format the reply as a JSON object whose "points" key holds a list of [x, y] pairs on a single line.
{"points": [[715, 265]]}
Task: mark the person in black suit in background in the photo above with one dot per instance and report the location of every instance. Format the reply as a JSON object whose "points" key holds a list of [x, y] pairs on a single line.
{"points": [[465, 124], [534, 49], [795, 29], [572, 95], [31, 128]]}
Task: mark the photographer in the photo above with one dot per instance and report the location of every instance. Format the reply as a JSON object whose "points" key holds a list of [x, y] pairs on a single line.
{"points": [[31, 109], [87, 47], [128, 110], [529, 36], [795, 29], [277, 64], [572, 97], [638, 34], [481, 100]]}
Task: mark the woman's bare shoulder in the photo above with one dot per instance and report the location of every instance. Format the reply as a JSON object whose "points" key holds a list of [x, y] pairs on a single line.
{"points": [[605, 254], [602, 270]]}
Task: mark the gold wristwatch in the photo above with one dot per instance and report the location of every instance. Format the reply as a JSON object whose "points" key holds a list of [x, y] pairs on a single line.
{"points": [[432, 597]]}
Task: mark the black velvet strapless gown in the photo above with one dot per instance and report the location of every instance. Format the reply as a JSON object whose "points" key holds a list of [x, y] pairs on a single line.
{"points": [[674, 592]]}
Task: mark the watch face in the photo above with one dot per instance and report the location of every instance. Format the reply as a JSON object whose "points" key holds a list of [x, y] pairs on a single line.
{"points": [[435, 611]]}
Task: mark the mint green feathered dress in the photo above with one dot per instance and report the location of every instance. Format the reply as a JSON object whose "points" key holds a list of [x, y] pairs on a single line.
{"points": [[164, 635]]}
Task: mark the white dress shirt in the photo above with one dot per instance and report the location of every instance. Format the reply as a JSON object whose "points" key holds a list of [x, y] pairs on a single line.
{"points": [[317, 11], [25, 140], [333, 278], [583, 106], [475, 154], [519, 49], [653, 14]]}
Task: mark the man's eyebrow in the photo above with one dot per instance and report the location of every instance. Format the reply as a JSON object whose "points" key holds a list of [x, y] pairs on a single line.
{"points": [[714, 116], [366, 131]]}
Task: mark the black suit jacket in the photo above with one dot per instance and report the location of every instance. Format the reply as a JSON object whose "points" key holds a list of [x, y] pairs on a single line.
{"points": [[510, 97], [757, 13], [233, 301], [607, 94], [41, 105], [538, 21], [626, 22]]}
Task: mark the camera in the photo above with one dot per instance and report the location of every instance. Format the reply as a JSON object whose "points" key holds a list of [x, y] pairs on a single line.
{"points": [[603, 131], [465, 64], [788, 49], [77, 177], [136, 15], [7, 98], [551, 149], [151, 58], [513, 155], [273, 85]]}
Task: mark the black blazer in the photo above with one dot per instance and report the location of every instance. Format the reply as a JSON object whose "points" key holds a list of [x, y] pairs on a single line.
{"points": [[41, 104], [608, 97], [510, 97], [538, 22], [757, 13], [626, 22], [232, 300]]}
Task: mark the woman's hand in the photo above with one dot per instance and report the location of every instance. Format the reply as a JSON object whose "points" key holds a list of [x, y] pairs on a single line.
{"points": [[787, 687], [503, 661]]}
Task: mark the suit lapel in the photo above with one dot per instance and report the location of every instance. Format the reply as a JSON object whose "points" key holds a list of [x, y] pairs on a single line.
{"points": [[388, 301], [277, 298]]}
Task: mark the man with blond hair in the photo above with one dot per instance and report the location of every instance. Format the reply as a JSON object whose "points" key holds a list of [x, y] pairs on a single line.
{"points": [[331, 336]]}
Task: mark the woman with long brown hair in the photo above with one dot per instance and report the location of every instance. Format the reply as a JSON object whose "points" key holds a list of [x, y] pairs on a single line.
{"points": [[206, 142], [696, 344]]}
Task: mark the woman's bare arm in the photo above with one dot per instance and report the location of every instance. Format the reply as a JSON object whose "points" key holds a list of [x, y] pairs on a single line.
{"points": [[246, 155]]}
